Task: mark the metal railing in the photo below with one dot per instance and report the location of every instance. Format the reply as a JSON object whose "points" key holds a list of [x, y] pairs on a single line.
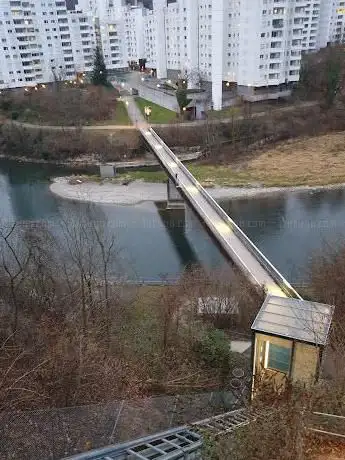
{"points": [[332, 423], [283, 284], [173, 444]]}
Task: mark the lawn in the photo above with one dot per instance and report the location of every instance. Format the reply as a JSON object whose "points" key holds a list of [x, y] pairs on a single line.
{"points": [[120, 116], [206, 174], [159, 114], [309, 161]]}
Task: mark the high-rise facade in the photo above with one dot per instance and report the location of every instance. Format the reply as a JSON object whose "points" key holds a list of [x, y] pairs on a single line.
{"points": [[256, 44], [40, 39]]}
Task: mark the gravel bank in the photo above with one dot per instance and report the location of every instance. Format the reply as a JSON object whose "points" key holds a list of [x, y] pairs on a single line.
{"points": [[138, 191]]}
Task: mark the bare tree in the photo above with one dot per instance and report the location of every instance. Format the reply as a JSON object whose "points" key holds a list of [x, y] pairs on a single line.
{"points": [[15, 260], [59, 76]]}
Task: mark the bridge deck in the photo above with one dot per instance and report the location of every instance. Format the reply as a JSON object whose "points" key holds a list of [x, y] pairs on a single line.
{"points": [[231, 238]]}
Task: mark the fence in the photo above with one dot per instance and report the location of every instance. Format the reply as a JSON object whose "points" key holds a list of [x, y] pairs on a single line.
{"points": [[56, 433], [328, 424]]}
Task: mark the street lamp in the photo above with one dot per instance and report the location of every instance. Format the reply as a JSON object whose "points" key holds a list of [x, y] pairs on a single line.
{"points": [[147, 111]]}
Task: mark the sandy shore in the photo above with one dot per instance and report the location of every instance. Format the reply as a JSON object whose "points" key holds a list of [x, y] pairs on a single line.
{"points": [[138, 191]]}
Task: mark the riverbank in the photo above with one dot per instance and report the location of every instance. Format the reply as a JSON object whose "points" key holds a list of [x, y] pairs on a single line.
{"points": [[138, 192], [308, 161]]}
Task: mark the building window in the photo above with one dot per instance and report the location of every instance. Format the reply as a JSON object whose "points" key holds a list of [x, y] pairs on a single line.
{"points": [[278, 358]]}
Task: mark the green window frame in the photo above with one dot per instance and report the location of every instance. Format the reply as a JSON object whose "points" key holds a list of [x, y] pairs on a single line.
{"points": [[279, 358]]}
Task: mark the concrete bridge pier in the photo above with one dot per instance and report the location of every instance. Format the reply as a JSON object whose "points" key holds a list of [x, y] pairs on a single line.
{"points": [[174, 197]]}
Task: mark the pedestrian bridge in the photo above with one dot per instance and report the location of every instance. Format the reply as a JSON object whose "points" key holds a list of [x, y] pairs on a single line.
{"points": [[239, 248]]}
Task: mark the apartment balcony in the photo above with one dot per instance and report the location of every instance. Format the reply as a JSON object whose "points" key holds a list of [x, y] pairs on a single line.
{"points": [[276, 59], [295, 65], [25, 34], [279, 11], [278, 23], [300, 10]]}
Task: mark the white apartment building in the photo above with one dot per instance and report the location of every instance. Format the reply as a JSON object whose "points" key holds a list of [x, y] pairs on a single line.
{"points": [[336, 13], [256, 44], [40, 38]]}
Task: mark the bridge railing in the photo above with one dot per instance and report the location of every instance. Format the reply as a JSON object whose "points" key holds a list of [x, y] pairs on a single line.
{"points": [[264, 262]]}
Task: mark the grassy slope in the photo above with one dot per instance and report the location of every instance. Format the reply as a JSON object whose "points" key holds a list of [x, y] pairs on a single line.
{"points": [[310, 161], [159, 114], [120, 116]]}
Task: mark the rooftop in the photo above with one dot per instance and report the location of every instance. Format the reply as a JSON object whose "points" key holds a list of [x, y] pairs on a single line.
{"points": [[295, 319]]}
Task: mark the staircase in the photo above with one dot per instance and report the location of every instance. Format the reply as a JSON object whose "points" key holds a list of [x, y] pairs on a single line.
{"points": [[224, 423], [177, 443]]}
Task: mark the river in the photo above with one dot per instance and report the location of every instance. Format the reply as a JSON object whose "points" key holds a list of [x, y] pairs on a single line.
{"points": [[154, 242]]}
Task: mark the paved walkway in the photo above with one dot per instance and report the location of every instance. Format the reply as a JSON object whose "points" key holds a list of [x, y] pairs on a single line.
{"points": [[231, 238], [134, 113], [138, 120], [71, 128]]}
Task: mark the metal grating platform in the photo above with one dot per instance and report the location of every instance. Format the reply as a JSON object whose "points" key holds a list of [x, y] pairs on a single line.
{"points": [[224, 423], [183, 443], [179, 443]]}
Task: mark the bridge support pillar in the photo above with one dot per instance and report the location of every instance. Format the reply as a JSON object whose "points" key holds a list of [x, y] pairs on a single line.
{"points": [[174, 198]]}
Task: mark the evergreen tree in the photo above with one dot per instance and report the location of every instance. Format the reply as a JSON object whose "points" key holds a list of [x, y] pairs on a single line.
{"points": [[99, 73], [182, 99]]}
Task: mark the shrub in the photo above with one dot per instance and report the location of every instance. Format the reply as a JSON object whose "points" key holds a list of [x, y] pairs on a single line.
{"points": [[214, 348], [6, 104]]}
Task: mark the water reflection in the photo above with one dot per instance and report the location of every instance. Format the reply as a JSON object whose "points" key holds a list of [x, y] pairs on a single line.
{"points": [[175, 224], [289, 228]]}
